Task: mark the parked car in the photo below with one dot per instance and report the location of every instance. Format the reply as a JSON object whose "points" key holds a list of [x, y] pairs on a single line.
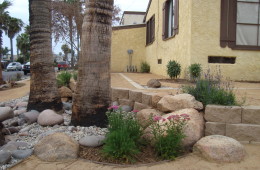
{"points": [[14, 66], [26, 68], [63, 65]]}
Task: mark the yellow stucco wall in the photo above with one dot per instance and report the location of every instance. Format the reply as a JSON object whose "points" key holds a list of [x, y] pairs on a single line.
{"points": [[176, 48], [205, 41], [124, 39]]}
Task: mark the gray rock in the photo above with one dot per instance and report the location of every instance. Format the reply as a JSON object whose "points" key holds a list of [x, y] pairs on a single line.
{"points": [[6, 113], [67, 106], [10, 130], [153, 83], [21, 122], [22, 104], [92, 141], [9, 147], [21, 154], [31, 116], [5, 157], [19, 111], [49, 118], [11, 122], [126, 108]]}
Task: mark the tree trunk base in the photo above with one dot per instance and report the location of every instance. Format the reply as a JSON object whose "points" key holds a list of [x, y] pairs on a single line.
{"points": [[99, 119], [55, 105]]}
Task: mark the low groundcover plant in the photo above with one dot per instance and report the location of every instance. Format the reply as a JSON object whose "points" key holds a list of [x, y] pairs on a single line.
{"points": [[168, 135]]}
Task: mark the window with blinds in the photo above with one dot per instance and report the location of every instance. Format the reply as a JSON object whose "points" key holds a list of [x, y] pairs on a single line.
{"points": [[150, 30], [240, 24]]}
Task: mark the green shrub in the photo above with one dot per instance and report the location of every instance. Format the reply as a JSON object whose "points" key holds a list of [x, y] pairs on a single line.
{"points": [[173, 69], [195, 71], [75, 75], [122, 140], [209, 91], [63, 79], [145, 67], [168, 139]]}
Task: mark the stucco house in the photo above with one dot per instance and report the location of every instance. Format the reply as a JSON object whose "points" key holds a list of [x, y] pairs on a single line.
{"points": [[132, 17], [223, 33]]}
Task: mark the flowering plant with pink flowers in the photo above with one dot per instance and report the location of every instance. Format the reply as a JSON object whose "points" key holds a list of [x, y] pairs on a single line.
{"points": [[168, 135]]}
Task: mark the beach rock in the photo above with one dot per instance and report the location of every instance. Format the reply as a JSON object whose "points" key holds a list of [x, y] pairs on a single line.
{"points": [[20, 111], [220, 149], [6, 113], [171, 103], [10, 130], [92, 141], [67, 106], [144, 116], [126, 108], [5, 157], [56, 147], [153, 83], [21, 104], [31, 116], [49, 118], [65, 92], [21, 154]]}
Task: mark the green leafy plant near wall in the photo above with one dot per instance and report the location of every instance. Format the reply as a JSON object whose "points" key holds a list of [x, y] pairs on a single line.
{"points": [[145, 67], [212, 90], [63, 79], [173, 69], [195, 71]]}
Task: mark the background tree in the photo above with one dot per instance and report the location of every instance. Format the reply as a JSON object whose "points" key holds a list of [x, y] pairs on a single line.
{"points": [[66, 50], [92, 96], [43, 89], [5, 51], [14, 26], [4, 15], [23, 43]]}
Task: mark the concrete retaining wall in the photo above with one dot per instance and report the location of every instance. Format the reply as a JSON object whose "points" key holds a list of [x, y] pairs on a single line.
{"points": [[240, 123]]}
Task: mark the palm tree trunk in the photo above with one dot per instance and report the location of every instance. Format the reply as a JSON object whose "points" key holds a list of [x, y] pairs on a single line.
{"points": [[43, 90], [71, 42], [1, 54], [92, 96], [12, 53]]}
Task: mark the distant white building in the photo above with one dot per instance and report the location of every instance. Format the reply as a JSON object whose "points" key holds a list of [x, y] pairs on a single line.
{"points": [[132, 18]]}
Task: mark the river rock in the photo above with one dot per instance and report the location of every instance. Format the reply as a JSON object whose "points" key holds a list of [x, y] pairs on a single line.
{"points": [[153, 83], [49, 118], [5, 157], [6, 113], [31, 116], [21, 154], [92, 141]]}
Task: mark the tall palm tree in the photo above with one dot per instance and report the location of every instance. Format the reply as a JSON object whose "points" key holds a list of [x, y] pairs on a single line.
{"points": [[4, 15], [92, 97], [14, 26], [43, 89]]}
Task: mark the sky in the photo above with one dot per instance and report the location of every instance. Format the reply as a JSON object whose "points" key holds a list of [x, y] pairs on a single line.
{"points": [[19, 9]]}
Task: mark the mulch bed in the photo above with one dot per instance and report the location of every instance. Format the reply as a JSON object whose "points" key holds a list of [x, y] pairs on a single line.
{"points": [[147, 155]]}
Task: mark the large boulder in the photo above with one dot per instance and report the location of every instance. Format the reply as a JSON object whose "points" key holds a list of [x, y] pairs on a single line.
{"points": [[153, 83], [171, 103], [6, 113], [49, 118], [193, 130], [56, 147], [144, 116], [65, 92], [220, 149]]}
